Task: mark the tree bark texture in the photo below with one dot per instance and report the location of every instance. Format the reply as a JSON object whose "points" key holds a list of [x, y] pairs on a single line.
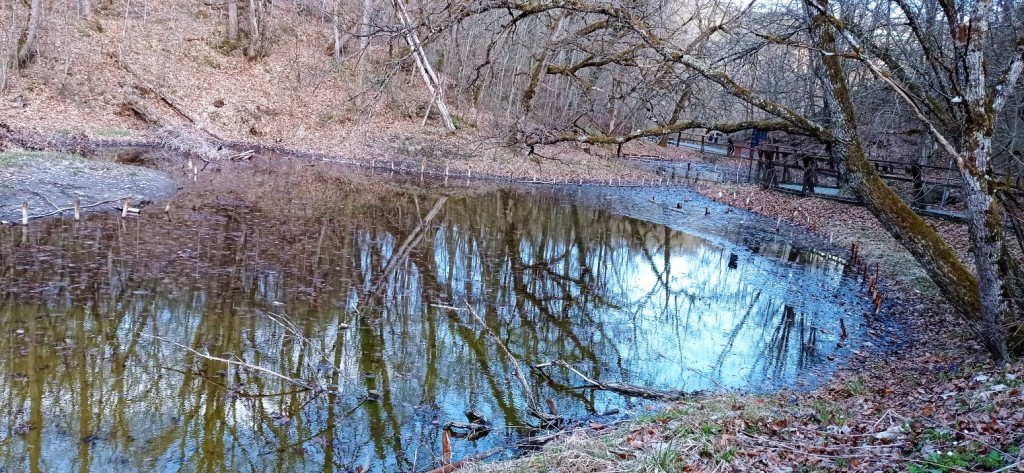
{"points": [[975, 298], [232, 31], [27, 47]]}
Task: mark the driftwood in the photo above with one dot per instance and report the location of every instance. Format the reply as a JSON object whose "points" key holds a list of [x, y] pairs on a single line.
{"points": [[538, 441], [621, 388]]}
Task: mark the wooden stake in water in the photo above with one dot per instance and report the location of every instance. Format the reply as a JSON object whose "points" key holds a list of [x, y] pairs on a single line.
{"points": [[78, 209], [24, 213], [124, 208]]}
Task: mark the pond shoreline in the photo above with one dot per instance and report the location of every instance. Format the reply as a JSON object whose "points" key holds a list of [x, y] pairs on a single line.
{"points": [[711, 431]]}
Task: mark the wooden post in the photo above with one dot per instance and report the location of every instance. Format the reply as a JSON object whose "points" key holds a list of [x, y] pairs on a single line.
{"points": [[842, 328], [124, 208], [810, 175], [917, 200], [446, 447], [78, 209], [24, 213]]}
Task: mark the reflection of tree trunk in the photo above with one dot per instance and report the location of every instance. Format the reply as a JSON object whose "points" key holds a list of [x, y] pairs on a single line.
{"points": [[410, 243], [36, 388]]}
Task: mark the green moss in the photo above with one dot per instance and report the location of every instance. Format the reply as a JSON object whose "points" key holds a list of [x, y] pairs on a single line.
{"points": [[112, 132], [18, 158]]}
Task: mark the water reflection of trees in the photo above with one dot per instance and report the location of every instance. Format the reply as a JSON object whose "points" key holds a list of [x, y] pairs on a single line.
{"points": [[623, 299]]}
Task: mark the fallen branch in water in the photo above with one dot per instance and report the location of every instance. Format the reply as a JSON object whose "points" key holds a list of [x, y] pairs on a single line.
{"points": [[61, 210], [541, 440], [297, 382], [527, 390], [621, 388]]}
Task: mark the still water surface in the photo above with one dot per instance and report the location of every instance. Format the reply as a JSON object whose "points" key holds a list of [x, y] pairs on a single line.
{"points": [[102, 322]]}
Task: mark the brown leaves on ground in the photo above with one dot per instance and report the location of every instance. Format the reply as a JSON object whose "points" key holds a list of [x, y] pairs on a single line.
{"points": [[928, 413]]}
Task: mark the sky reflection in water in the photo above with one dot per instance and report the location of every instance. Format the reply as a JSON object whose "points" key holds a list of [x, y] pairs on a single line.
{"points": [[371, 287]]}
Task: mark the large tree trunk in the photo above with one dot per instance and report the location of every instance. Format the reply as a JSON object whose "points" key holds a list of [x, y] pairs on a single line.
{"points": [[538, 65], [984, 217], [932, 253], [259, 29], [336, 29], [677, 110], [232, 31], [27, 42], [364, 26]]}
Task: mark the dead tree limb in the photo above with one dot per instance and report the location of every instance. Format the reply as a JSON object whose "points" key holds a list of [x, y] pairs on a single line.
{"points": [[430, 78], [528, 393], [61, 210], [623, 388], [166, 99], [297, 382]]}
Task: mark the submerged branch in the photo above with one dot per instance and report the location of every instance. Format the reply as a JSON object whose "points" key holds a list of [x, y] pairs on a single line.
{"points": [[622, 388], [306, 386], [531, 399]]}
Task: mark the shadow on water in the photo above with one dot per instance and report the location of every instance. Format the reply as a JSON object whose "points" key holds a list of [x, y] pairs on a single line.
{"points": [[375, 293]]}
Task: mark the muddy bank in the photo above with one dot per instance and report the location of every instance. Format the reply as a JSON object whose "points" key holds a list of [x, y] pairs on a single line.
{"points": [[49, 182]]}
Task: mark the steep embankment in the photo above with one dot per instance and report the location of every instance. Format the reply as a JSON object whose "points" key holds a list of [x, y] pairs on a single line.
{"points": [[158, 73]]}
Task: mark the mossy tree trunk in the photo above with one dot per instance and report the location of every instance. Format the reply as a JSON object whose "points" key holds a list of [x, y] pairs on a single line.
{"points": [[980, 299]]}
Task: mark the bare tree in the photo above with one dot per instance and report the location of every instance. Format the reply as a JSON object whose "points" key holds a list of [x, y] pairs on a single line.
{"points": [[232, 26], [28, 41], [258, 42]]}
